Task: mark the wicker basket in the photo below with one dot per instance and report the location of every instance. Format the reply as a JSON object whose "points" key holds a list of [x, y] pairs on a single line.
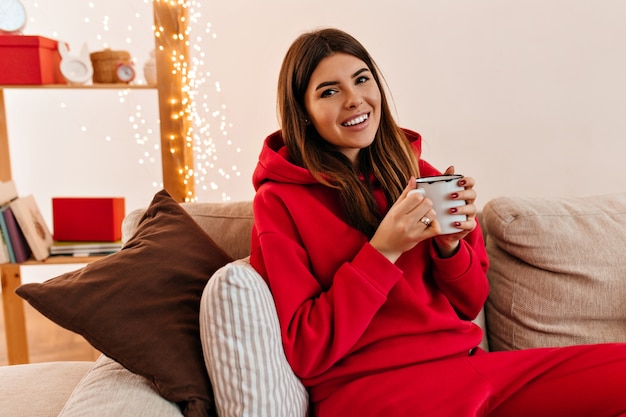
{"points": [[105, 64]]}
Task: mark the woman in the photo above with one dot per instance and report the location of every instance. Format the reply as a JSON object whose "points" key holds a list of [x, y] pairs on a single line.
{"points": [[375, 305]]}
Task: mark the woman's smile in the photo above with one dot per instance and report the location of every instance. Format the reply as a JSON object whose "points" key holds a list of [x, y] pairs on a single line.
{"points": [[357, 121]]}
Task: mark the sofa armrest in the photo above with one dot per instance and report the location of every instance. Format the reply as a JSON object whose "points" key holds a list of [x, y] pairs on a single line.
{"points": [[557, 271], [39, 389]]}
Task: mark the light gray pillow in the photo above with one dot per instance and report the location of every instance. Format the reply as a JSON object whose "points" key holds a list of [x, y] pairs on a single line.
{"points": [[243, 349], [110, 390], [557, 275]]}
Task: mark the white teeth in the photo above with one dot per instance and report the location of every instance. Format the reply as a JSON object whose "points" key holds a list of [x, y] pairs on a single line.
{"points": [[356, 121]]}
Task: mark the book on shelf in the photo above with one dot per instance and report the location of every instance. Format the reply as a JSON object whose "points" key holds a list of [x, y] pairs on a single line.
{"points": [[6, 241], [84, 248], [13, 242], [33, 226], [5, 257], [8, 192], [19, 250]]}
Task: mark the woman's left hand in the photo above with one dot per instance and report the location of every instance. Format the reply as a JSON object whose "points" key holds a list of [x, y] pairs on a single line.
{"points": [[447, 245]]}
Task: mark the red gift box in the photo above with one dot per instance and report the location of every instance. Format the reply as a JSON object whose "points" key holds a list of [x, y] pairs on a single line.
{"points": [[87, 219], [29, 60]]}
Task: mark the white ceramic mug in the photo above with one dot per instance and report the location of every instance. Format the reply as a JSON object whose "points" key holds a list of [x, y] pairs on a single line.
{"points": [[438, 189]]}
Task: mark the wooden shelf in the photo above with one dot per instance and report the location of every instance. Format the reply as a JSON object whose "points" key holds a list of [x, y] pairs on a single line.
{"points": [[78, 87], [177, 156], [63, 260]]}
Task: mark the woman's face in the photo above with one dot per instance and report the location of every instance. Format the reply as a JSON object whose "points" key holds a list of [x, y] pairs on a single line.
{"points": [[343, 103]]}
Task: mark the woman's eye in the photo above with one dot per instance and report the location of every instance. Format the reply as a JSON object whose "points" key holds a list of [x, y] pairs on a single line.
{"points": [[328, 93], [362, 79]]}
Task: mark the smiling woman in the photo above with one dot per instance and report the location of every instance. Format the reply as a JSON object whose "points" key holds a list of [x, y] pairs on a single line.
{"points": [[372, 294]]}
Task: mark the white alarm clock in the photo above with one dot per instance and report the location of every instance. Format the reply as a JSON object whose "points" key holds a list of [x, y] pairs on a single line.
{"points": [[12, 16], [125, 72]]}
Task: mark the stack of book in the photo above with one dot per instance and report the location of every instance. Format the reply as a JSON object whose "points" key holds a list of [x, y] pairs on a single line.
{"points": [[87, 226], [84, 248], [24, 233], [22, 228]]}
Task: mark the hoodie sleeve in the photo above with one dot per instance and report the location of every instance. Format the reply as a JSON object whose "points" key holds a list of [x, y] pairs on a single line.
{"points": [[462, 277], [320, 322]]}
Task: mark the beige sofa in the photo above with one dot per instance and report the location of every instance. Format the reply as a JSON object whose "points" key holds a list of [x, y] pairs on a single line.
{"points": [[557, 277]]}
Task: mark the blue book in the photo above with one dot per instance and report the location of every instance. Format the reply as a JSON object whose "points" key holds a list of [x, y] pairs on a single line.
{"points": [[5, 235], [4, 249], [20, 247]]}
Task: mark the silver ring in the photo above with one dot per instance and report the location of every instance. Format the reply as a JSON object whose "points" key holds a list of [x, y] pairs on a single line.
{"points": [[426, 221]]}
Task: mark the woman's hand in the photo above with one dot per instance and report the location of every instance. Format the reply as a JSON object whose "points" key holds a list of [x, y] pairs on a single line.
{"points": [[448, 244], [406, 224]]}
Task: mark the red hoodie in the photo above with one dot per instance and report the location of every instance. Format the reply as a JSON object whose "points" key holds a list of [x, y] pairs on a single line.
{"points": [[345, 310]]}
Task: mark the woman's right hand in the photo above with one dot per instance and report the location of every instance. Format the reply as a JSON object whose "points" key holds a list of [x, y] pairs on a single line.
{"points": [[405, 224]]}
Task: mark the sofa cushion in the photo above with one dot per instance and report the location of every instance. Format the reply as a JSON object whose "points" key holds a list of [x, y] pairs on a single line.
{"points": [[140, 306], [38, 389], [228, 224], [557, 274], [110, 390], [243, 349]]}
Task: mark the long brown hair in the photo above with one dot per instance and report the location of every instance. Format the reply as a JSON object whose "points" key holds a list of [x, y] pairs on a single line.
{"points": [[389, 159]]}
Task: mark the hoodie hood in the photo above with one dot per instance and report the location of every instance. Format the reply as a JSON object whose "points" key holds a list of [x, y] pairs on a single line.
{"points": [[275, 164]]}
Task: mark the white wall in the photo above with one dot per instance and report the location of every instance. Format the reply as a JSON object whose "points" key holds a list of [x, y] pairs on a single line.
{"points": [[527, 97]]}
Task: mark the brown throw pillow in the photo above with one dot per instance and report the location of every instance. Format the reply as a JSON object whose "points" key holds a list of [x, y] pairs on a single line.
{"points": [[141, 305]]}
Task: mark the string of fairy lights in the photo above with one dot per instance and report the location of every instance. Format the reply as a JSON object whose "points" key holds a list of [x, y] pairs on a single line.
{"points": [[104, 27]]}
